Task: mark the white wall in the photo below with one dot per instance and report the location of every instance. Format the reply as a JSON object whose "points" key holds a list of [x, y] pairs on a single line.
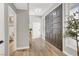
{"points": [[2, 47], [22, 29], [33, 19]]}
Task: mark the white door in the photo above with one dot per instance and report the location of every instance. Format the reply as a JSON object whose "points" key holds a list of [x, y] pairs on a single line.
{"points": [[36, 30]]}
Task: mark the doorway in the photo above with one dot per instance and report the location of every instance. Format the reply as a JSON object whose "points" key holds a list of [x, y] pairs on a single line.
{"points": [[36, 30], [11, 30]]}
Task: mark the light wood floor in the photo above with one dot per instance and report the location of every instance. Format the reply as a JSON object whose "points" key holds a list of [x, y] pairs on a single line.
{"points": [[39, 47]]}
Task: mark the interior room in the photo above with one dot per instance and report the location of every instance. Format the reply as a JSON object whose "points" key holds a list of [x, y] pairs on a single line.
{"points": [[39, 29]]}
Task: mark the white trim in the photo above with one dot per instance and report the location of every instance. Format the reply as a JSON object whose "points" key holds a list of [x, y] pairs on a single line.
{"points": [[63, 27], [67, 53], [43, 36], [22, 48], [63, 41]]}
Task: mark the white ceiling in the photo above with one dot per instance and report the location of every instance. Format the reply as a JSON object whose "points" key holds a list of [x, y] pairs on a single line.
{"points": [[42, 6], [35, 8], [22, 6]]}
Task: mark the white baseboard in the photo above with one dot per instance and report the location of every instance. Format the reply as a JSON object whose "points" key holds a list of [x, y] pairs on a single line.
{"points": [[43, 36], [22, 48], [67, 53]]}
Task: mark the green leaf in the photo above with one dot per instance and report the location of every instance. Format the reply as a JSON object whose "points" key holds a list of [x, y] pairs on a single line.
{"points": [[72, 27]]}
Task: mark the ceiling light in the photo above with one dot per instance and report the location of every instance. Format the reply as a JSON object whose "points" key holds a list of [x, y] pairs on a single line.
{"points": [[38, 10], [54, 13]]}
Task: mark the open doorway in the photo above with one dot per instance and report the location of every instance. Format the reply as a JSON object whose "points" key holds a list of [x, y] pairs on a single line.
{"points": [[12, 31]]}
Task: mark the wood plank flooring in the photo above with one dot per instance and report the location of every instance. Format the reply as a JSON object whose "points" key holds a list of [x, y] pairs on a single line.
{"points": [[39, 47]]}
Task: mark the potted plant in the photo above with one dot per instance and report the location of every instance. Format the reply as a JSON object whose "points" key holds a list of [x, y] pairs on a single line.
{"points": [[73, 29]]}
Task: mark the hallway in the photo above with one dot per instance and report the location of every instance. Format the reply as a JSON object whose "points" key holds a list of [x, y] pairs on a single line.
{"points": [[50, 23], [39, 47]]}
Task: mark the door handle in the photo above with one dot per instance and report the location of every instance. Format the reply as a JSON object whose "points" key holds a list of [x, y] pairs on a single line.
{"points": [[1, 41]]}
